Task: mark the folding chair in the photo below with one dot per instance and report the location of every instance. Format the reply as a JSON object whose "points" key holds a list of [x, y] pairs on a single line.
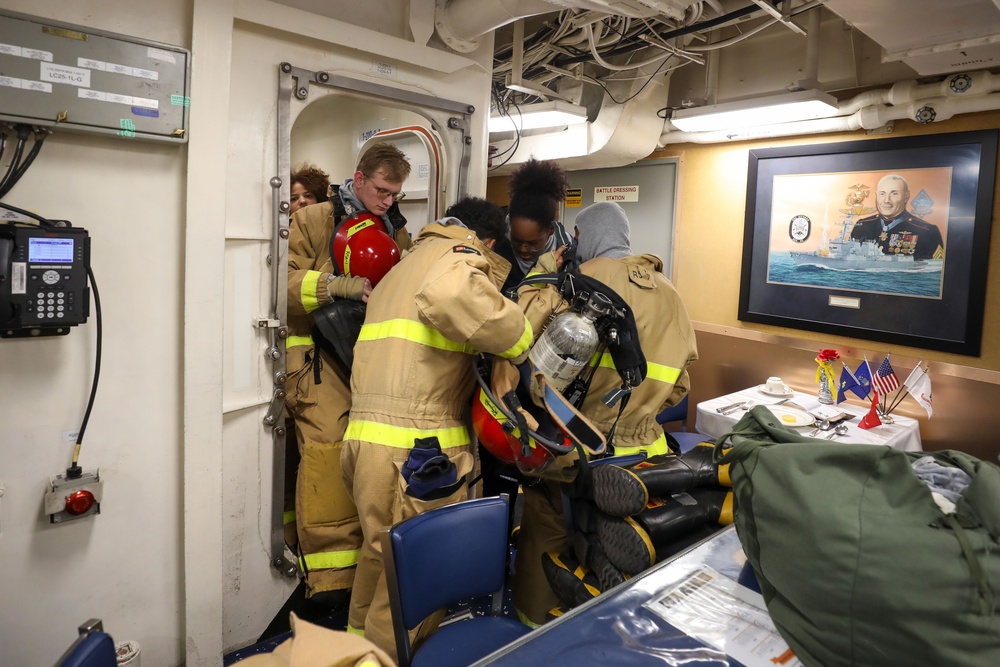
{"points": [[679, 413], [93, 648], [437, 558]]}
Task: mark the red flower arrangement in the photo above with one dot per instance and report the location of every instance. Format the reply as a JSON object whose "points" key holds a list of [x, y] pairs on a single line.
{"points": [[825, 359]]}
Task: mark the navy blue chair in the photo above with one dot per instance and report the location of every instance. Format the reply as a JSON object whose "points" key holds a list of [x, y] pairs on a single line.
{"points": [[437, 558], [679, 413], [93, 648]]}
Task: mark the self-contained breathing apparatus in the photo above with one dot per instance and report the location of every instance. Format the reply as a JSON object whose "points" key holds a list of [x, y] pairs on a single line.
{"points": [[530, 415], [360, 246]]}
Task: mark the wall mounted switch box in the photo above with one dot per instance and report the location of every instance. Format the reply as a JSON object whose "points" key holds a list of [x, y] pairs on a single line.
{"points": [[73, 498]]}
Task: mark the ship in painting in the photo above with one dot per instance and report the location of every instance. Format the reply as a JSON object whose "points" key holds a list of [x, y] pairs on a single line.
{"points": [[847, 254]]}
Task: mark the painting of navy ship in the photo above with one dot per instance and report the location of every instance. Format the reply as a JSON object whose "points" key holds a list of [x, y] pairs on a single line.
{"points": [[848, 259]]}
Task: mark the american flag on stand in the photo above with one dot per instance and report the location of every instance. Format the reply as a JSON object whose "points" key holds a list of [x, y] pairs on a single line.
{"points": [[885, 379]]}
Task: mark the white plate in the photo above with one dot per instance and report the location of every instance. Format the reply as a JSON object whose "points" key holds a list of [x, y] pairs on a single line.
{"points": [[791, 417], [777, 394]]}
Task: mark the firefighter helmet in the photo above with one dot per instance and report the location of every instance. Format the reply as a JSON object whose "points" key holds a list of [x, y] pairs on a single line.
{"points": [[504, 431], [363, 247]]}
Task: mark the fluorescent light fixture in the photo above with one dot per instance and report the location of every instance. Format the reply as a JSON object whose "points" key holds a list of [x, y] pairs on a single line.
{"points": [[769, 110], [555, 113]]}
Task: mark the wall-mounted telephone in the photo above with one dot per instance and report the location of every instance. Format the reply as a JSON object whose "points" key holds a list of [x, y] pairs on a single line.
{"points": [[43, 279]]}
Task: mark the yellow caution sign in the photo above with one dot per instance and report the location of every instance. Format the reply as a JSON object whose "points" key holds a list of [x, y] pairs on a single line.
{"points": [[574, 197]]}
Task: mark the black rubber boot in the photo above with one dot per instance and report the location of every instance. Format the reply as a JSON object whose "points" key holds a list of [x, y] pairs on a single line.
{"points": [[634, 544], [626, 491], [572, 582]]}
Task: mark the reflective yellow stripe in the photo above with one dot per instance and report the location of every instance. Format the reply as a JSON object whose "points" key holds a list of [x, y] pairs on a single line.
{"points": [[527, 621], [310, 286], [366, 662], [522, 344], [402, 437], [289, 517], [653, 371], [295, 341], [355, 631], [658, 446], [329, 560], [414, 332]]}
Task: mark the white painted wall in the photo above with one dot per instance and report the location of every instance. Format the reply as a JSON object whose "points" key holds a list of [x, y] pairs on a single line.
{"points": [[178, 560], [124, 566]]}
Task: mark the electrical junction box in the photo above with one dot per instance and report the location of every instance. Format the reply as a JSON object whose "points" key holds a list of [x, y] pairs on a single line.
{"points": [[67, 499], [56, 74]]}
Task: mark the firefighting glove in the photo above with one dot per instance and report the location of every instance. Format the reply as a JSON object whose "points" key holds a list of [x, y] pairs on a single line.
{"points": [[346, 287]]}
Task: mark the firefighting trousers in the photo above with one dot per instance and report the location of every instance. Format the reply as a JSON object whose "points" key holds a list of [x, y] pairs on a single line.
{"points": [[373, 479], [543, 529], [329, 534]]}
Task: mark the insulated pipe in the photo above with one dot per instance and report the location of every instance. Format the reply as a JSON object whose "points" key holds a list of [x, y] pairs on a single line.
{"points": [[959, 93], [867, 118]]}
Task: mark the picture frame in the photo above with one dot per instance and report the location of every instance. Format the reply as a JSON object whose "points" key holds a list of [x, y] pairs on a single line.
{"points": [[884, 240]]}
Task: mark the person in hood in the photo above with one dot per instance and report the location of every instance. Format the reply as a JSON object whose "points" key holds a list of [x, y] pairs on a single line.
{"points": [[413, 378], [668, 343], [318, 394]]}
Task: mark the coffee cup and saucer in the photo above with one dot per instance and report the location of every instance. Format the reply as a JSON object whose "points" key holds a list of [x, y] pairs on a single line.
{"points": [[775, 387]]}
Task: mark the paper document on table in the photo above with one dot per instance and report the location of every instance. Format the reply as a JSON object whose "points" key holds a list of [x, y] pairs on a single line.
{"points": [[817, 409], [725, 615]]}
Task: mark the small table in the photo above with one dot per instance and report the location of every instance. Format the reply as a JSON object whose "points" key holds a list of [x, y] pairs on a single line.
{"points": [[903, 433]]}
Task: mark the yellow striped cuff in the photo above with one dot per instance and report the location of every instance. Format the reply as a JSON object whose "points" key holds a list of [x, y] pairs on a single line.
{"points": [[288, 517], [309, 291], [329, 560], [522, 344], [355, 631], [403, 437], [653, 371], [295, 341], [657, 447], [414, 332]]}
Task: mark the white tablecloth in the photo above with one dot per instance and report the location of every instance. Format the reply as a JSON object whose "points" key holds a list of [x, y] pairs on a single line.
{"points": [[903, 433]]}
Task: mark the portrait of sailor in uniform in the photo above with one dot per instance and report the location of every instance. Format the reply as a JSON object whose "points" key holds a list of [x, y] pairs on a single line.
{"points": [[896, 230]]}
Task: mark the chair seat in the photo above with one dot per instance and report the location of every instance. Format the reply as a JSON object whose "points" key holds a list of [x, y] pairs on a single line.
{"points": [[463, 643], [689, 441]]}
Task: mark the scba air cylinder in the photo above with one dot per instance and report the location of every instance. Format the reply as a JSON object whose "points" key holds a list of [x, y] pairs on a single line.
{"points": [[568, 343]]}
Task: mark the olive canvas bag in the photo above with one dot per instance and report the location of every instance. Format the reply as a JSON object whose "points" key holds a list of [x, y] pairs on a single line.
{"points": [[857, 563]]}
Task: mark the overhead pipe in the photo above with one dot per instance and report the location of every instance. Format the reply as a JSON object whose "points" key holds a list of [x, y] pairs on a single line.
{"points": [[869, 111]]}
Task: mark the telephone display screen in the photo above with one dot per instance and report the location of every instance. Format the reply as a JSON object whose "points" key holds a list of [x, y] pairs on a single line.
{"points": [[48, 250]]}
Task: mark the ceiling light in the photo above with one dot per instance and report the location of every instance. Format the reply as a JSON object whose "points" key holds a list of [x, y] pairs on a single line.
{"points": [[769, 110], [555, 113]]}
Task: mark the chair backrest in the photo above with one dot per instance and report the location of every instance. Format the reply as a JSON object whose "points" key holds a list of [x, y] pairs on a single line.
{"points": [[93, 648], [674, 413], [446, 554]]}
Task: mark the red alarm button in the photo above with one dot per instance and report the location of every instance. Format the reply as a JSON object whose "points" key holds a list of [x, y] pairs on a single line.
{"points": [[79, 502]]}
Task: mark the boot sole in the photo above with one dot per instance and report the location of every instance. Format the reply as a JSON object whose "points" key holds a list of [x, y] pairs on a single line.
{"points": [[619, 491], [626, 544], [604, 569]]}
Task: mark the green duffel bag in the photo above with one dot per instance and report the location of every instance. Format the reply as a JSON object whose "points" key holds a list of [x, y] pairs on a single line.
{"points": [[857, 563]]}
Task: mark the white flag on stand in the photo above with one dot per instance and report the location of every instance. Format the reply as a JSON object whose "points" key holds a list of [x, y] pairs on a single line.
{"points": [[919, 385]]}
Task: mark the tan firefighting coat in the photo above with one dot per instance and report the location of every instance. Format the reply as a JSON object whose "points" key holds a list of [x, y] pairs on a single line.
{"points": [[413, 378], [319, 400], [666, 336]]}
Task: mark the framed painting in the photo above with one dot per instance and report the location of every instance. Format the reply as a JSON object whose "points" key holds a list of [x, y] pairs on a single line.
{"points": [[885, 240]]}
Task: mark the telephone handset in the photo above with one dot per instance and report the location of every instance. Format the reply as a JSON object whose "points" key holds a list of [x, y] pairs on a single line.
{"points": [[43, 279]]}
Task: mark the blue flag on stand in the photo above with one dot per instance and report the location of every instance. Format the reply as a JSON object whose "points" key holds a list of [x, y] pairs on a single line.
{"points": [[864, 377], [847, 383]]}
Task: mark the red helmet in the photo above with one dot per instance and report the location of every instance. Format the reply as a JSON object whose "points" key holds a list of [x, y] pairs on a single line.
{"points": [[497, 429], [362, 247]]}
